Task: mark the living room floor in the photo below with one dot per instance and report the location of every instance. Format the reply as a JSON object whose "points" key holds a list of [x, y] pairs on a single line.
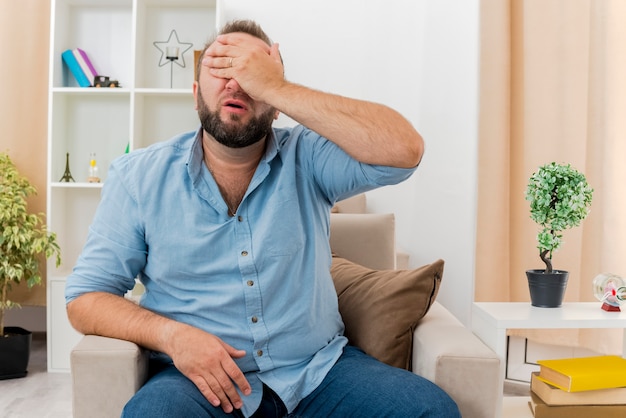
{"points": [[40, 394], [49, 395]]}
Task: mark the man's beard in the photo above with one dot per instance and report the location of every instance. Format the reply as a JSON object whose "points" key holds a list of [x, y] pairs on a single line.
{"points": [[234, 135]]}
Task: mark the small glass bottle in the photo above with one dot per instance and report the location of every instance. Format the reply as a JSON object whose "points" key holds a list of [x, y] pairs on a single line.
{"points": [[93, 169], [610, 289]]}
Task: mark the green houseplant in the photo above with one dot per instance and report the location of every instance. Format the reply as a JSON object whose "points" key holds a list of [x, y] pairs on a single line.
{"points": [[559, 197], [23, 241]]}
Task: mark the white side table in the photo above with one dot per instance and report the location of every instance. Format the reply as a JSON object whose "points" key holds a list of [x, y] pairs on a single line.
{"points": [[491, 320]]}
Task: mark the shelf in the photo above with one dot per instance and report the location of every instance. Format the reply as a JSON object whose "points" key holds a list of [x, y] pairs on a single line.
{"points": [[72, 207], [96, 3], [83, 124], [118, 37], [91, 90], [523, 315], [179, 3], [191, 19], [88, 91], [76, 185], [491, 320], [165, 92], [102, 29]]}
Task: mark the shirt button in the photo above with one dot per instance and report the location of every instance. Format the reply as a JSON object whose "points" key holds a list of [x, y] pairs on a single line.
{"points": [[244, 253], [259, 353], [250, 283], [255, 319], [240, 218]]}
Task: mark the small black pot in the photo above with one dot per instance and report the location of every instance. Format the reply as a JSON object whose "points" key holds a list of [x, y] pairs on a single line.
{"points": [[14, 352], [547, 289]]}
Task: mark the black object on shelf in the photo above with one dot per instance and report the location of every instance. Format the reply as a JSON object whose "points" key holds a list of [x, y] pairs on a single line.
{"points": [[67, 176]]}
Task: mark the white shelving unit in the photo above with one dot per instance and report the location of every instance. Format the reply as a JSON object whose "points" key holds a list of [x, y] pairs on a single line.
{"points": [[118, 37]]}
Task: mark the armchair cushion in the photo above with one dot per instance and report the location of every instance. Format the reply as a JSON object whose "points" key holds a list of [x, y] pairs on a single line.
{"points": [[381, 308]]}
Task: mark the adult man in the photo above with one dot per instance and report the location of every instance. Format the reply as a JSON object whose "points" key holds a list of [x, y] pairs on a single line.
{"points": [[227, 228]]}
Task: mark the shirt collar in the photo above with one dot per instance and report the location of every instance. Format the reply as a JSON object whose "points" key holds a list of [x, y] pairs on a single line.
{"points": [[196, 155], [195, 161]]}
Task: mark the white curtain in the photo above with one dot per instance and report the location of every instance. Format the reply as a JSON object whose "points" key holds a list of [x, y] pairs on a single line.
{"points": [[553, 88]]}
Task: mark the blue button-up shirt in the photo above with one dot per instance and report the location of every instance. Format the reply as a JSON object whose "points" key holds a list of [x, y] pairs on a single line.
{"points": [[260, 280]]}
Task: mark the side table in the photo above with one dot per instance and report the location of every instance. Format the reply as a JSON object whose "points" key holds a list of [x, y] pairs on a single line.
{"points": [[491, 320]]}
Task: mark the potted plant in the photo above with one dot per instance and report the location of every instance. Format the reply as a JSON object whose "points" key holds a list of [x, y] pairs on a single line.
{"points": [[23, 241], [559, 199]]}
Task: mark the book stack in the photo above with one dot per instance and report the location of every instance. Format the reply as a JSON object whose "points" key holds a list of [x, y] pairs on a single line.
{"points": [[80, 66], [582, 387]]}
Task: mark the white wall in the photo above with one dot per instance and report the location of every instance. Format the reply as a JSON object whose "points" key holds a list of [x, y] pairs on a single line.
{"points": [[421, 58]]}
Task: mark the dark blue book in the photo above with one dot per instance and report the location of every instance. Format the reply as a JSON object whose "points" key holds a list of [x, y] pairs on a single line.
{"points": [[74, 66]]}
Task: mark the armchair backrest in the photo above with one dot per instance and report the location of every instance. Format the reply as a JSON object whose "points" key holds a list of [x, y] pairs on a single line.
{"points": [[364, 238]]}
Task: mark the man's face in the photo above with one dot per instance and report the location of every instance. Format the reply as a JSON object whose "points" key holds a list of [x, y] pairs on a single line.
{"points": [[228, 114], [234, 126]]}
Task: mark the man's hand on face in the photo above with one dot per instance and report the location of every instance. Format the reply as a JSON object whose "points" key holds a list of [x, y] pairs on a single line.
{"points": [[208, 362], [256, 66]]}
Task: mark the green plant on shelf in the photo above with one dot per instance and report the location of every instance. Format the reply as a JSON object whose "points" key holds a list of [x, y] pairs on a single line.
{"points": [[559, 198]]}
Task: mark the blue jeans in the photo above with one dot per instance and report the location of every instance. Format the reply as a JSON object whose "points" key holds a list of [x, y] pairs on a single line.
{"points": [[357, 386]]}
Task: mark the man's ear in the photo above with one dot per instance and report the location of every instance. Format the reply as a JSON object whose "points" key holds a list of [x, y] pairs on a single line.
{"points": [[276, 115], [195, 94]]}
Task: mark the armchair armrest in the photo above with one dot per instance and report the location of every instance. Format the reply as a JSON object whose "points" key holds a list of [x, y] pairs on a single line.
{"points": [[106, 373], [451, 356]]}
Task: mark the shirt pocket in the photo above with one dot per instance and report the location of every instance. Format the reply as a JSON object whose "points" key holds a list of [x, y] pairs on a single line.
{"points": [[280, 228]]}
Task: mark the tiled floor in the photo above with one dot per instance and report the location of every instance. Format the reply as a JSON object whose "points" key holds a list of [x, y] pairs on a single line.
{"points": [[516, 407], [40, 394]]}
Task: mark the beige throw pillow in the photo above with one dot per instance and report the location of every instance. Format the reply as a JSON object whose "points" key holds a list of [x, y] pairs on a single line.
{"points": [[381, 308]]}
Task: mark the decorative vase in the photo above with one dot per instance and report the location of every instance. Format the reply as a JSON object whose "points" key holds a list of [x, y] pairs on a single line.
{"points": [[547, 289], [14, 352], [610, 289]]}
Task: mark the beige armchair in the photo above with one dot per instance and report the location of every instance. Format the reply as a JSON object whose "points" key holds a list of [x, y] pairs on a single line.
{"points": [[106, 372]]}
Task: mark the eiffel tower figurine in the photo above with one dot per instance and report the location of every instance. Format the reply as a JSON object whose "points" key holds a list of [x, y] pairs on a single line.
{"points": [[67, 176]]}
